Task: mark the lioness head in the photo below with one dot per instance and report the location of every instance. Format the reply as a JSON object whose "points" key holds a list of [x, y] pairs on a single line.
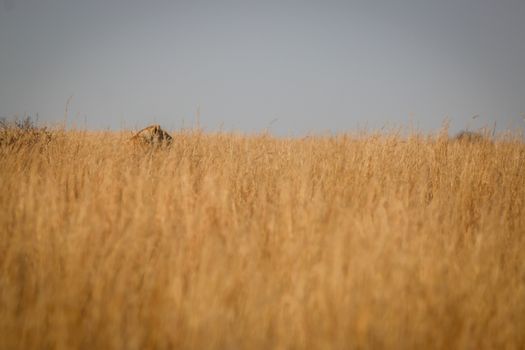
{"points": [[153, 135]]}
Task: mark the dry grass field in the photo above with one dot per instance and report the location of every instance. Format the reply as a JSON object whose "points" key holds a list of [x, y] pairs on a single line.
{"points": [[226, 241]]}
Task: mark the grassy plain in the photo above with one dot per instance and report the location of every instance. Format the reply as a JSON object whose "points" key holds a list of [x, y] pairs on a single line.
{"points": [[228, 241]]}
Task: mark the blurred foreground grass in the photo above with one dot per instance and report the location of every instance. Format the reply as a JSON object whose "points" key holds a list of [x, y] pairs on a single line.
{"points": [[227, 241]]}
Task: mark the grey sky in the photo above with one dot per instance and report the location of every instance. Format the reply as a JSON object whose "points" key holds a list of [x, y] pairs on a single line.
{"points": [[308, 66]]}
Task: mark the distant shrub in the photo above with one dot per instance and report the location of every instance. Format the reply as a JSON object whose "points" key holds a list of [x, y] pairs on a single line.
{"points": [[471, 137], [23, 132]]}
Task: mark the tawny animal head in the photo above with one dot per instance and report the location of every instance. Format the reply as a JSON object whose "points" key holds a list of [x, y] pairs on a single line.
{"points": [[153, 135]]}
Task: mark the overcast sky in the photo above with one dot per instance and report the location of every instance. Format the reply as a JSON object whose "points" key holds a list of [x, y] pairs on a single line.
{"points": [[293, 67]]}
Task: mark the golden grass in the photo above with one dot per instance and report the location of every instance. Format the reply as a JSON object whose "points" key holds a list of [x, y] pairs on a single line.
{"points": [[251, 242]]}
